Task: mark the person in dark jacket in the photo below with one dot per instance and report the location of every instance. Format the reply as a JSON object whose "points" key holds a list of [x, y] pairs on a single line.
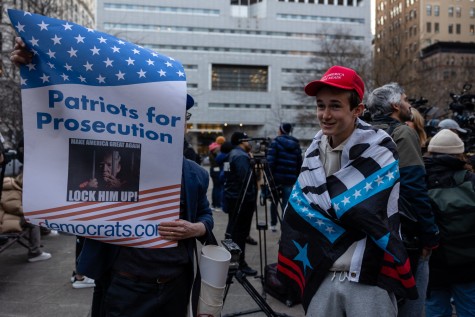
{"points": [[448, 279], [284, 157], [240, 193], [390, 109], [222, 161]]}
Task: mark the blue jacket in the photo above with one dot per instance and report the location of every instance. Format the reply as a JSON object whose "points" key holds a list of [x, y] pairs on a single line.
{"points": [[284, 157], [97, 258]]}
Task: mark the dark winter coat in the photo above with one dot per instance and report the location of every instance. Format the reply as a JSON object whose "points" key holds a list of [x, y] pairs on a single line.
{"points": [[440, 170], [284, 157]]}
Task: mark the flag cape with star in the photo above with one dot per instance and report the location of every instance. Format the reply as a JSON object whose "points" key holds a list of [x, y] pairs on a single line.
{"points": [[103, 131], [356, 206]]}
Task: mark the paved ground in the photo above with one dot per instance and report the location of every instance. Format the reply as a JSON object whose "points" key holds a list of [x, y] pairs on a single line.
{"points": [[44, 289]]}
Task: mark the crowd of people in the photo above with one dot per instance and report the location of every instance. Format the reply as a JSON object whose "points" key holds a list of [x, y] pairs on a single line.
{"points": [[359, 231]]}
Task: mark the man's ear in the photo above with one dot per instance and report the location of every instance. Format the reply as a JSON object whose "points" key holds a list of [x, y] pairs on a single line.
{"points": [[359, 110], [395, 107]]}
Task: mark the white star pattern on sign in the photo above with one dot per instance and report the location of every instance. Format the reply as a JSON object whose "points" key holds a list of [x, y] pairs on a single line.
{"points": [[320, 222], [51, 54], [56, 40], [379, 180], [109, 61], [310, 215], [43, 26], [34, 41], [88, 66], [101, 79], [67, 26], [357, 193], [44, 78], [79, 39], [299, 201], [141, 73], [23, 81], [329, 229], [120, 75], [130, 61], [305, 209], [336, 207], [20, 27], [72, 52], [95, 50]]}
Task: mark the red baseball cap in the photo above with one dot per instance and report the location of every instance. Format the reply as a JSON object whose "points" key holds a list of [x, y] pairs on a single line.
{"points": [[339, 77]]}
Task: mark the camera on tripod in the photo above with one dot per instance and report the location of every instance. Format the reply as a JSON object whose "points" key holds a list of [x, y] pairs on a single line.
{"points": [[260, 146], [235, 251]]}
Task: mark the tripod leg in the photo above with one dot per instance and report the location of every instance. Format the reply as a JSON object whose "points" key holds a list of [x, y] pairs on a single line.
{"points": [[241, 277]]}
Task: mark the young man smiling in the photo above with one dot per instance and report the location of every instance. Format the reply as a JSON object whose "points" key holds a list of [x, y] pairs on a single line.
{"points": [[340, 243]]}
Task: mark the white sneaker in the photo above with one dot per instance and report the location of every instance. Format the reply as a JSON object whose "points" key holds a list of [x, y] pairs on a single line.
{"points": [[273, 228], [43, 256], [84, 283]]}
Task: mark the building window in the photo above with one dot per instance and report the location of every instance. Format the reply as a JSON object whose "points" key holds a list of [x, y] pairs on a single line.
{"points": [[458, 12], [239, 77], [472, 29], [436, 11], [428, 27], [472, 12], [451, 11], [458, 28], [451, 28], [436, 27], [429, 10]]}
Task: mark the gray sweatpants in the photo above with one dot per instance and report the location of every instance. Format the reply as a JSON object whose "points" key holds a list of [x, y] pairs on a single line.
{"points": [[337, 297]]}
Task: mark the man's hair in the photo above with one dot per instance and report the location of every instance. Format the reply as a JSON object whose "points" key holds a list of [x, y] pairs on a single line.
{"points": [[381, 99], [353, 96], [354, 99]]}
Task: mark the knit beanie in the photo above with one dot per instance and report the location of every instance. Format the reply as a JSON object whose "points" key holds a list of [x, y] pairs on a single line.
{"points": [[220, 139], [446, 142], [285, 128]]}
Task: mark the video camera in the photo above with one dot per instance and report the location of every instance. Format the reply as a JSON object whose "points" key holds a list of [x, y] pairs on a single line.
{"points": [[259, 149], [462, 102]]}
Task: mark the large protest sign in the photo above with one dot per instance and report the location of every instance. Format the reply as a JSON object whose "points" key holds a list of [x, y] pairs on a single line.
{"points": [[103, 127]]}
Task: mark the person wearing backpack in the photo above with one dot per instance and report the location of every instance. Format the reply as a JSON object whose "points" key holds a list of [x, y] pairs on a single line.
{"points": [[451, 184]]}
